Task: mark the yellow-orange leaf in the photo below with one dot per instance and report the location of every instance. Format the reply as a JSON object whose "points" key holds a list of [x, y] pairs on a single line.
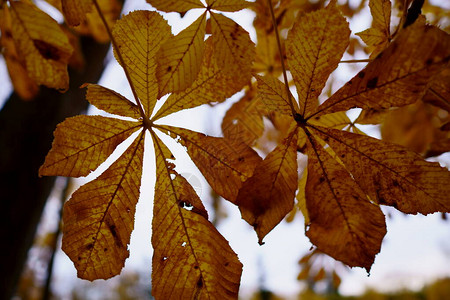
{"points": [[226, 164], [343, 222], [181, 6], [191, 259], [211, 85], [180, 58], [227, 5], [378, 36], [399, 75], [99, 217], [75, 10], [315, 46], [111, 101], [82, 143], [139, 35], [273, 94], [234, 52], [268, 196], [390, 174], [43, 44], [336, 120]]}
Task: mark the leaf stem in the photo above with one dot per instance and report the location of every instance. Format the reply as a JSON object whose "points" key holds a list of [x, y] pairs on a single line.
{"points": [[147, 123], [286, 83], [356, 61]]}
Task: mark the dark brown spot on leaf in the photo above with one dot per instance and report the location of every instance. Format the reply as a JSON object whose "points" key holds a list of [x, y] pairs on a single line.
{"points": [[169, 68], [361, 74], [372, 83], [90, 246], [46, 50], [200, 282]]}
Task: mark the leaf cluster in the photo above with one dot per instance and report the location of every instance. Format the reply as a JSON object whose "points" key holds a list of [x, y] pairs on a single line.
{"points": [[348, 176]]}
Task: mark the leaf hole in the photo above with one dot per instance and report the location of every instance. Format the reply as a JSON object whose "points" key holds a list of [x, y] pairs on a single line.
{"points": [[183, 244]]}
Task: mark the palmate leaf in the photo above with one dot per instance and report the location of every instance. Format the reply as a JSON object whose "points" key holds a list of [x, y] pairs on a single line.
{"points": [[228, 5], [42, 43], [181, 6], [349, 174], [191, 258], [99, 216]]}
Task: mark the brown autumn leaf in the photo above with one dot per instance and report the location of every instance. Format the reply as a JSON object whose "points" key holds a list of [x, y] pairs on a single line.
{"points": [[180, 57], [347, 172], [99, 217], [274, 178], [96, 237], [75, 11], [186, 245], [42, 43]]}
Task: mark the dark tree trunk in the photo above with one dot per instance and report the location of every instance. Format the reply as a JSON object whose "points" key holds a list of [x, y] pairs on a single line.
{"points": [[26, 134]]}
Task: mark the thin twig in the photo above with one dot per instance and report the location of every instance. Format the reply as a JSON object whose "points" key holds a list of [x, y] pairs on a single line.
{"points": [[122, 63], [274, 22]]}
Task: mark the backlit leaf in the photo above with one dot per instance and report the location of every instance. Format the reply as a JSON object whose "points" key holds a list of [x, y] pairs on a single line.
{"points": [[180, 58], [234, 51], [273, 94], [390, 174], [343, 222], [315, 46], [43, 44], [225, 163], [111, 101], [99, 217], [397, 77], [268, 196], [191, 259], [181, 6], [139, 35], [212, 85], [82, 143]]}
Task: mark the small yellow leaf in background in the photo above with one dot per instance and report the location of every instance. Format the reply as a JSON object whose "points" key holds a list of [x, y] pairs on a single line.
{"points": [[111, 101], [226, 164], [180, 58], [377, 37], [314, 48], [390, 174], [139, 35], [75, 10], [267, 196], [181, 6], [99, 217], [397, 77], [343, 223], [191, 259], [24, 86], [82, 143], [43, 44], [228, 5]]}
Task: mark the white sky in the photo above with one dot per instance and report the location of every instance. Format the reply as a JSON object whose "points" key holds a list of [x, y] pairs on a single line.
{"points": [[416, 249]]}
